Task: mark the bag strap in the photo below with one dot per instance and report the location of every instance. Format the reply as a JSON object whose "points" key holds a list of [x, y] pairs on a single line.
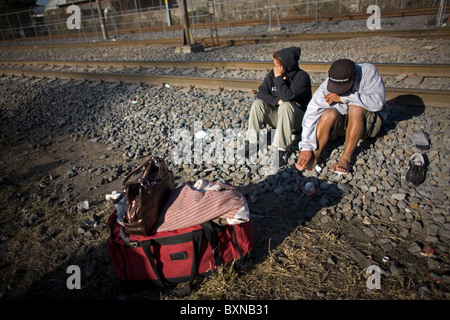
{"points": [[196, 241], [135, 170], [211, 233], [147, 165], [147, 246], [117, 245], [236, 241]]}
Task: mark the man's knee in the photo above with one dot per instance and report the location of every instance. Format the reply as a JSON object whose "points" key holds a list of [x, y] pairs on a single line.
{"points": [[329, 116], [258, 104], [285, 108], [356, 112]]}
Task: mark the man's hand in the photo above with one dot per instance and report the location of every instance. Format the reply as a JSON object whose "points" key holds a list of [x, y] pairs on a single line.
{"points": [[331, 98], [278, 70]]}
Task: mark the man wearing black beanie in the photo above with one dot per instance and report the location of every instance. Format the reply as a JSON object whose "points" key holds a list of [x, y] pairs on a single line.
{"points": [[281, 101]]}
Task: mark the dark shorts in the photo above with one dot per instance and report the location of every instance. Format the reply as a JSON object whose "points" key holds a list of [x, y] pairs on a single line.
{"points": [[372, 125]]}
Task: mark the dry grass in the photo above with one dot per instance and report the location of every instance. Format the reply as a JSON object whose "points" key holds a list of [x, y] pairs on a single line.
{"points": [[307, 265]]}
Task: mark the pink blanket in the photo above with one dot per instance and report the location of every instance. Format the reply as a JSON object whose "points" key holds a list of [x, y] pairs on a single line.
{"points": [[188, 206]]}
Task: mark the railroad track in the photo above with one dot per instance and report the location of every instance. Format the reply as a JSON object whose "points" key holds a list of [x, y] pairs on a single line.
{"points": [[435, 33], [237, 75], [432, 70]]}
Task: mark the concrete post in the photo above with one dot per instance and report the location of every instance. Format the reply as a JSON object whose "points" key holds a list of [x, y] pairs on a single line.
{"points": [[101, 15]]}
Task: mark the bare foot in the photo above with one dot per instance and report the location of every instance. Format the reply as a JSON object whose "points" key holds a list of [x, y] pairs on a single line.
{"points": [[342, 166], [306, 161]]}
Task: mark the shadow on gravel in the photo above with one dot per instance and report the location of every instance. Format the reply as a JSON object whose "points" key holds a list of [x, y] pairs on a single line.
{"points": [[97, 279], [414, 104], [411, 100], [33, 173], [277, 214]]}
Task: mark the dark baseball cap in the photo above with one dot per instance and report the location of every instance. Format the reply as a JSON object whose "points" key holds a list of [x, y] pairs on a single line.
{"points": [[340, 76]]}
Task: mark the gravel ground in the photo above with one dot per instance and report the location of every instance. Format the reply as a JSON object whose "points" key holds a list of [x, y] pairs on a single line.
{"points": [[87, 136]]}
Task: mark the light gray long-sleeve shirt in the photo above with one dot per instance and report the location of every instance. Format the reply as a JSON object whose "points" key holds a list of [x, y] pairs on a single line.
{"points": [[368, 92]]}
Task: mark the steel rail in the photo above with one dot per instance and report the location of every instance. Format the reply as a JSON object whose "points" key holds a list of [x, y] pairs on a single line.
{"points": [[252, 39], [411, 97], [416, 34], [429, 70]]}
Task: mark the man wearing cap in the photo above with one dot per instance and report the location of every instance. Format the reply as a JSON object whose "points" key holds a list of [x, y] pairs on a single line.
{"points": [[350, 103]]}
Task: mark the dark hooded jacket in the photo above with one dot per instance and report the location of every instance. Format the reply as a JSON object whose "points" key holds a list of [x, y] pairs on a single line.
{"points": [[297, 86]]}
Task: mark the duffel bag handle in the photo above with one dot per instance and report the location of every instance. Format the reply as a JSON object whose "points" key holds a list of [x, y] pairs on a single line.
{"points": [[144, 174], [178, 292], [149, 164], [211, 234]]}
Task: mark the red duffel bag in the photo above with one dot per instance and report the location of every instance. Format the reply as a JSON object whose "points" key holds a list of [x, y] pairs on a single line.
{"points": [[166, 258]]}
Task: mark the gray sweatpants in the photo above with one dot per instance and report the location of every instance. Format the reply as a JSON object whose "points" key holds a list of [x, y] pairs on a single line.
{"points": [[286, 118]]}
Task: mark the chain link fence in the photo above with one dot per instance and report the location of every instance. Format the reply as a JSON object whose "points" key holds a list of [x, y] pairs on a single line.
{"points": [[108, 19]]}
